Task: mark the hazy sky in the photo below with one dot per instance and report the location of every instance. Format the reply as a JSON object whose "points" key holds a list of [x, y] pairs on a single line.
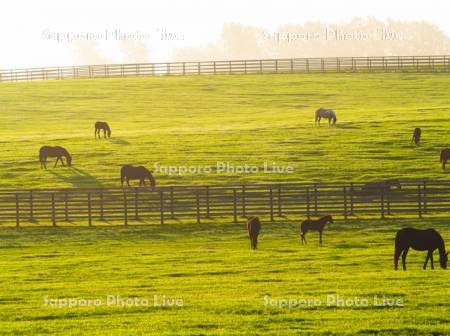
{"points": [[29, 28]]}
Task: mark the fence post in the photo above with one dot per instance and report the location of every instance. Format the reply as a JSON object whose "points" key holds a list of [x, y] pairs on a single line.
{"points": [[136, 203], [419, 200], [207, 202], [308, 213], [101, 206], [244, 210], [17, 211], [161, 207], [315, 200], [197, 205], [89, 210], [276, 66], [351, 199], [307, 65], [53, 211], [388, 201], [382, 204], [172, 214], [279, 201], [31, 206], [260, 66], [214, 65], [66, 206], [125, 208], [345, 203], [235, 205], [271, 203], [425, 210], [292, 65]]}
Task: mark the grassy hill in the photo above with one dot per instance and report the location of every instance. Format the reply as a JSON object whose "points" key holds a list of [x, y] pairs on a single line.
{"points": [[199, 121], [202, 120]]}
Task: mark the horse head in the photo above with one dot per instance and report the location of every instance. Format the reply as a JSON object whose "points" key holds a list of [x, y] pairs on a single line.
{"points": [[328, 218], [443, 260], [69, 160]]}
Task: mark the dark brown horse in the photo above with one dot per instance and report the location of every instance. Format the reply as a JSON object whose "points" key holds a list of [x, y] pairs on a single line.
{"points": [[416, 136], [129, 172], [314, 225], [253, 228], [102, 126], [420, 240], [327, 114], [445, 155], [379, 186], [57, 151]]}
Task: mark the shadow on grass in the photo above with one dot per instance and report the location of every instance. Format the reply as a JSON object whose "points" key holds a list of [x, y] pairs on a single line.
{"points": [[346, 125], [118, 141], [79, 178]]}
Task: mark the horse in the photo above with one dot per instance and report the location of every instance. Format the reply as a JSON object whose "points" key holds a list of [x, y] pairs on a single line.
{"points": [[101, 125], [57, 151], [420, 240], [253, 228], [129, 172], [327, 114], [314, 225], [445, 155], [416, 136], [380, 186]]}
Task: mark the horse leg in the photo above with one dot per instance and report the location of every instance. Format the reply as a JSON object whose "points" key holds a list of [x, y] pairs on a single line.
{"points": [[128, 181], [104, 134], [56, 162], [405, 252], [431, 260], [426, 260], [397, 253], [320, 237], [304, 238]]}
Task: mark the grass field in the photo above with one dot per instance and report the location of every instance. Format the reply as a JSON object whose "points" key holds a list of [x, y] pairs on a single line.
{"points": [[202, 120], [221, 282], [199, 121]]}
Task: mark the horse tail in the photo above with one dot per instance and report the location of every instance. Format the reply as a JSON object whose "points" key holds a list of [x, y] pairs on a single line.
{"points": [[442, 156], [108, 129]]}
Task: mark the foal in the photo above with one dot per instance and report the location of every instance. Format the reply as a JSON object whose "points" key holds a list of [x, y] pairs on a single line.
{"points": [[314, 225], [253, 228]]}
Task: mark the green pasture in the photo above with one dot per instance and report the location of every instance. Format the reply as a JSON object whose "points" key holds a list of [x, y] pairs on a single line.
{"points": [[223, 285], [201, 120]]}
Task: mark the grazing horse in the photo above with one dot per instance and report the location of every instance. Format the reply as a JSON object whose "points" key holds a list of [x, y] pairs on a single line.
{"points": [[327, 114], [102, 126], [253, 228], [379, 186], [420, 240], [129, 172], [57, 151], [314, 225], [445, 155], [416, 136]]}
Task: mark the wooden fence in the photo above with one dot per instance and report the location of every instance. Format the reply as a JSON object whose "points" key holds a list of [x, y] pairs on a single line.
{"points": [[291, 65], [196, 203]]}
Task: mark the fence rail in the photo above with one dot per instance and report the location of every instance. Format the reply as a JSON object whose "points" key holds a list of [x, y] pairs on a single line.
{"points": [[291, 65], [196, 203]]}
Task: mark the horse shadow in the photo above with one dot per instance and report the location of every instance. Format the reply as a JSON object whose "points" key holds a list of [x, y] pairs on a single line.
{"points": [[118, 141], [346, 125], [78, 178]]}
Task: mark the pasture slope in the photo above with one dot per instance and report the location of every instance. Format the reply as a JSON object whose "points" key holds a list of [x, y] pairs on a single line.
{"points": [[200, 120]]}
